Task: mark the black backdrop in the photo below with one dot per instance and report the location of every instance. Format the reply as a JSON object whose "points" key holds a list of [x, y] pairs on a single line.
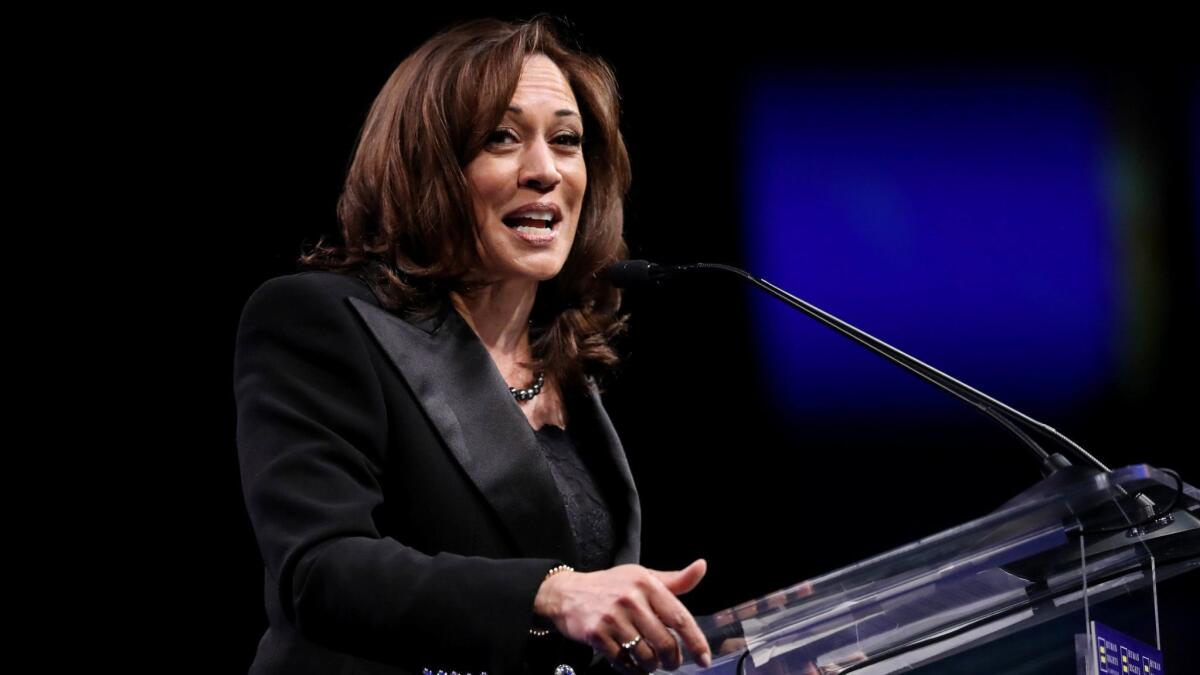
{"points": [[271, 109]]}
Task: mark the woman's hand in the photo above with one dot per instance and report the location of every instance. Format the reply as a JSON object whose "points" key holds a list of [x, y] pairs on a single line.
{"points": [[607, 608]]}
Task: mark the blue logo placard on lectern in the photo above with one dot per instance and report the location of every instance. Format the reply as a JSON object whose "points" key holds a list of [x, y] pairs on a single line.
{"points": [[1115, 653]]}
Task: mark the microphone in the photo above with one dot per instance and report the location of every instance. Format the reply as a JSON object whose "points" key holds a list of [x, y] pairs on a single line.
{"points": [[1057, 470], [628, 273]]}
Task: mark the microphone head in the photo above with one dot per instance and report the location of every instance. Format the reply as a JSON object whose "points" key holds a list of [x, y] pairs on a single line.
{"points": [[625, 273]]}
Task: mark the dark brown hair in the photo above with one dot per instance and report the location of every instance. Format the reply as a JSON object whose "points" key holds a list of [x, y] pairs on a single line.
{"points": [[405, 211]]}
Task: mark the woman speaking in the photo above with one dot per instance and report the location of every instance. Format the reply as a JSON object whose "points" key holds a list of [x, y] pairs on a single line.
{"points": [[429, 471]]}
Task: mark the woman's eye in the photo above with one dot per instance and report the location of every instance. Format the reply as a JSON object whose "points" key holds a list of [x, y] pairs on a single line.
{"points": [[499, 136], [570, 139]]}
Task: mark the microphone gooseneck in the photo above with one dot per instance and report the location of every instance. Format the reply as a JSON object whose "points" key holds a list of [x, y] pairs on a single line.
{"points": [[628, 273]]}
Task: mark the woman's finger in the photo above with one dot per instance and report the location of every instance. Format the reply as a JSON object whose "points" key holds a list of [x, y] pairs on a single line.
{"points": [[684, 580], [672, 613], [618, 631], [627, 666], [665, 648], [641, 654], [635, 627]]}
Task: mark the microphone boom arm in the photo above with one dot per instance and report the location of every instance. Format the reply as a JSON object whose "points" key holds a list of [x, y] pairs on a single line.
{"points": [[995, 409]]}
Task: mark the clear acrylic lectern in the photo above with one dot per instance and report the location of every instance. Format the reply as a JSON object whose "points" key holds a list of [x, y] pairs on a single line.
{"points": [[1078, 534]]}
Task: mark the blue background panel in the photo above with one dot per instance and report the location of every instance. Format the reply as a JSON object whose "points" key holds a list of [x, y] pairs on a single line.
{"points": [[960, 218]]}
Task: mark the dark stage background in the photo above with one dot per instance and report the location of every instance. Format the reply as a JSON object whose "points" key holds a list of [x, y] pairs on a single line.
{"points": [[770, 494]]}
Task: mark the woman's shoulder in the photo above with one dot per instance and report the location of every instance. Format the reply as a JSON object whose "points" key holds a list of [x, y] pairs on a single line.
{"points": [[316, 282], [310, 289], [315, 294]]}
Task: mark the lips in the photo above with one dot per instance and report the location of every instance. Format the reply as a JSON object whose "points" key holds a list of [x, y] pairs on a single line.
{"points": [[537, 215]]}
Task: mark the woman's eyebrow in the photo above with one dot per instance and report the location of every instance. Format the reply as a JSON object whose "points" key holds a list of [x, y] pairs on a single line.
{"points": [[565, 112]]}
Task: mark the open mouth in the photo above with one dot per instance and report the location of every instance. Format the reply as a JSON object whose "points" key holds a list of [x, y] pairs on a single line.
{"points": [[536, 227], [531, 224], [536, 223]]}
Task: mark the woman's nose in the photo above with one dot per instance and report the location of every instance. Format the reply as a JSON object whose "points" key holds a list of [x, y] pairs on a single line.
{"points": [[538, 169]]}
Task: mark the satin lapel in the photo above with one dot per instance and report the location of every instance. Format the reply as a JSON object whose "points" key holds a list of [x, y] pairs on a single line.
{"points": [[628, 550], [464, 395]]}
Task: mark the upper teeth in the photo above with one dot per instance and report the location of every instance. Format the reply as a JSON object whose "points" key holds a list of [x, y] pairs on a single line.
{"points": [[536, 215]]}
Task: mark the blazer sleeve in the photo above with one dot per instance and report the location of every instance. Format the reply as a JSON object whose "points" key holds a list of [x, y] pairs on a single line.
{"points": [[311, 431]]}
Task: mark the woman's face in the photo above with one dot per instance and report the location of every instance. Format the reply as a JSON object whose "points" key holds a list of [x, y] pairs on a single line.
{"points": [[531, 170]]}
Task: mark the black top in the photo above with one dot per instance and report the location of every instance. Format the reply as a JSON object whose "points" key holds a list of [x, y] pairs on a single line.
{"points": [[587, 510]]}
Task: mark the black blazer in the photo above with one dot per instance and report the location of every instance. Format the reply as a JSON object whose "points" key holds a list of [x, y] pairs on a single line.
{"points": [[403, 509]]}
